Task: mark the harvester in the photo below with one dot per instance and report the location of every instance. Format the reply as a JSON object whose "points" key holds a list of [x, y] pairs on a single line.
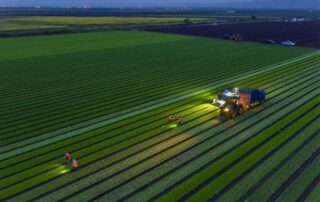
{"points": [[233, 102]]}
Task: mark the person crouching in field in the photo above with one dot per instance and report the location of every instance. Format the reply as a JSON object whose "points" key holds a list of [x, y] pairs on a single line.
{"points": [[67, 157], [170, 118], [74, 164]]}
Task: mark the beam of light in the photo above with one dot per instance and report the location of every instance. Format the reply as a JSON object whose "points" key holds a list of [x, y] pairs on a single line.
{"points": [[64, 171], [173, 125], [210, 106]]}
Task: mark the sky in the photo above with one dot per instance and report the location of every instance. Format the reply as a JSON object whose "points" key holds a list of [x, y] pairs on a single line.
{"points": [[166, 3]]}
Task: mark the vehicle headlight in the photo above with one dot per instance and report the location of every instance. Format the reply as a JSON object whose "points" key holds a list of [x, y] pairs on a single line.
{"points": [[226, 109]]}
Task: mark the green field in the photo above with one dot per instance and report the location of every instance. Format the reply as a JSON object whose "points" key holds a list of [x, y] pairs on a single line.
{"points": [[105, 98], [60, 22]]}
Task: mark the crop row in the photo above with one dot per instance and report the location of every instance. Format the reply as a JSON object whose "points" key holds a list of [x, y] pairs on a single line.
{"points": [[143, 156], [307, 77], [168, 188], [84, 109]]}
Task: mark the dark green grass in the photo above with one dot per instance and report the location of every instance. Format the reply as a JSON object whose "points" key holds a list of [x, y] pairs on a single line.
{"points": [[56, 84]]}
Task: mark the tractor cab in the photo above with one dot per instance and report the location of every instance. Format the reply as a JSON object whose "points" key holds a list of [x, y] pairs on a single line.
{"points": [[227, 93]]}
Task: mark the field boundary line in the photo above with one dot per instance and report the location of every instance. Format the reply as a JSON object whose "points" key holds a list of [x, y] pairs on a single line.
{"points": [[131, 112]]}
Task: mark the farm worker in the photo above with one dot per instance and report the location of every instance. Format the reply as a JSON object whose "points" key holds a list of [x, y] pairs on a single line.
{"points": [[67, 157], [180, 121], [74, 164], [170, 117]]}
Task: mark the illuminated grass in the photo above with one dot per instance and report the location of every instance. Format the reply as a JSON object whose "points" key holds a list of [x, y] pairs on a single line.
{"points": [[99, 76]]}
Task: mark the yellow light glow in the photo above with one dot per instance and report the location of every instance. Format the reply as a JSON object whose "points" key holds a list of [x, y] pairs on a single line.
{"points": [[172, 125], [209, 106], [226, 109], [64, 171]]}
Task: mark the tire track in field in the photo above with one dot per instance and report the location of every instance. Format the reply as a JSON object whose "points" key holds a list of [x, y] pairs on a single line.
{"points": [[128, 113]]}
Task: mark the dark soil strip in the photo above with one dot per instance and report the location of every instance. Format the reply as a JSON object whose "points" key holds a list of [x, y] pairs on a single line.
{"points": [[266, 157], [167, 111], [131, 145], [150, 146], [88, 154], [270, 174], [104, 132], [309, 189], [141, 98], [294, 175], [214, 160], [21, 139], [214, 146], [148, 117], [209, 180], [39, 128]]}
